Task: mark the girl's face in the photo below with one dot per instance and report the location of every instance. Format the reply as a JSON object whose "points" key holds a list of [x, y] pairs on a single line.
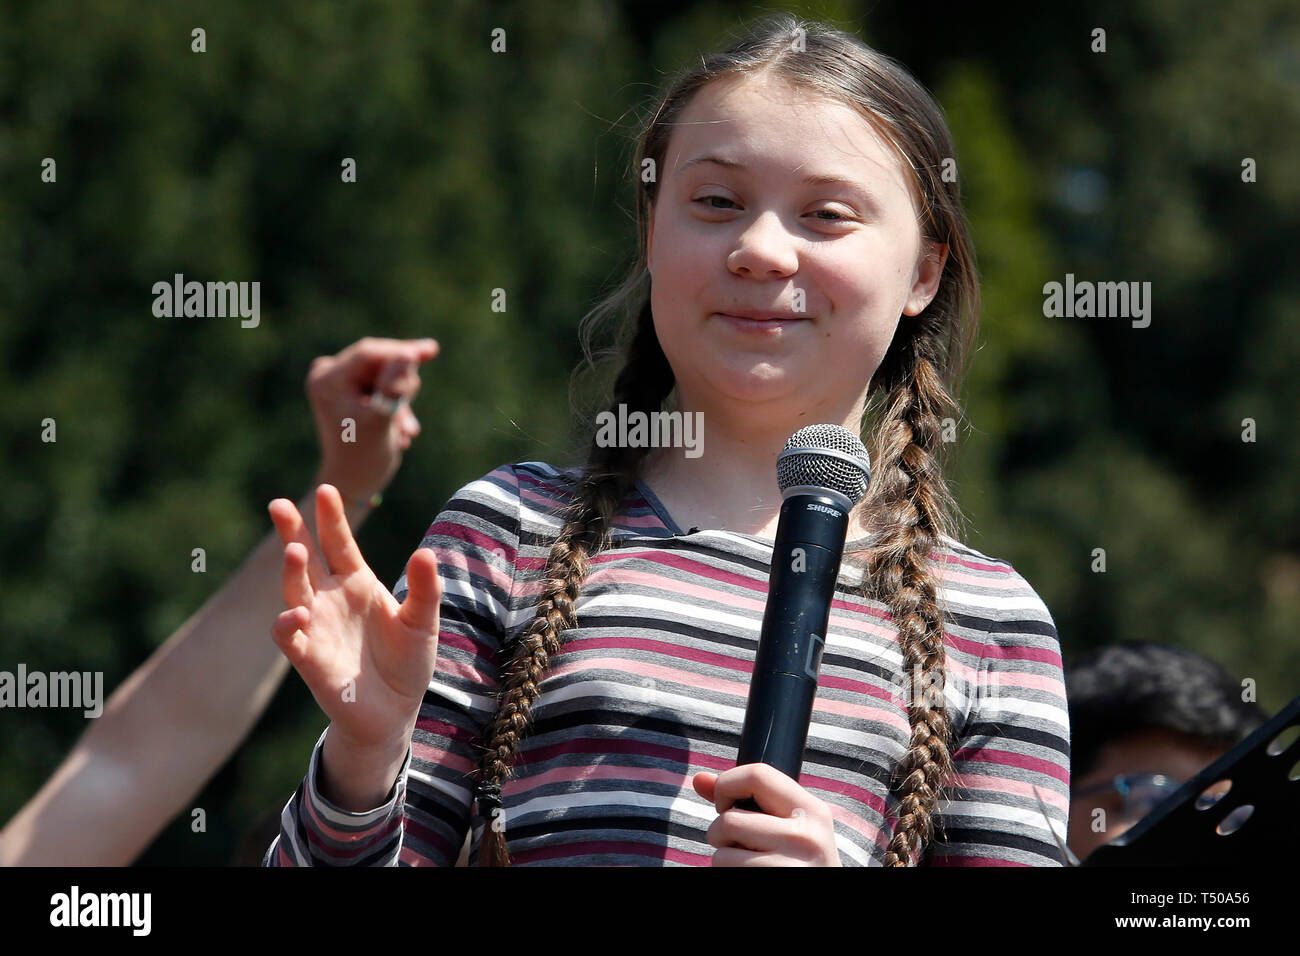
{"points": [[737, 227]]}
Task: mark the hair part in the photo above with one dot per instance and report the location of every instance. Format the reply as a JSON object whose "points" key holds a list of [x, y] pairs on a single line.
{"points": [[911, 394]]}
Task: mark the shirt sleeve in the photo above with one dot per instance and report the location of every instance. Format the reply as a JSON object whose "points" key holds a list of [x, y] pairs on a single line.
{"points": [[1008, 804], [476, 541]]}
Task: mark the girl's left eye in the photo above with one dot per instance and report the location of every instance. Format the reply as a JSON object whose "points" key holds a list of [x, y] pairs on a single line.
{"points": [[839, 217]]}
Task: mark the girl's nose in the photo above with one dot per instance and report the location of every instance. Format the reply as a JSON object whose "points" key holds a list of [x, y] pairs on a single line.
{"points": [[764, 248]]}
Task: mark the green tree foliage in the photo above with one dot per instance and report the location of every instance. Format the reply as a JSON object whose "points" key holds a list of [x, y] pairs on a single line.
{"points": [[481, 170]]}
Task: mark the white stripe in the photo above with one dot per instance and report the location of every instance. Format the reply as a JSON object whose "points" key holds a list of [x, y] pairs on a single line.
{"points": [[461, 795], [686, 706], [545, 806], [997, 602], [296, 853], [485, 601], [992, 707], [1030, 817], [475, 702]]}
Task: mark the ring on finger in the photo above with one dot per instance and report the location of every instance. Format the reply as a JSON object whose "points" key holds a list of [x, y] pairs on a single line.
{"points": [[388, 406]]}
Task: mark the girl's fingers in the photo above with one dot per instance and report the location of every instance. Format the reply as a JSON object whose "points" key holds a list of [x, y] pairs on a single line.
{"points": [[406, 420], [748, 830], [294, 582], [419, 611], [394, 370], [772, 790], [286, 631], [363, 361], [342, 555], [290, 635], [290, 526]]}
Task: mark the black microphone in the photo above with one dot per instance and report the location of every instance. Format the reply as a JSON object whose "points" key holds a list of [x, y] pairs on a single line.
{"points": [[823, 473]]}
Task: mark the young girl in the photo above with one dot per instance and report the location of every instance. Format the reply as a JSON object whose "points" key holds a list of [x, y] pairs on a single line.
{"points": [[567, 681]]}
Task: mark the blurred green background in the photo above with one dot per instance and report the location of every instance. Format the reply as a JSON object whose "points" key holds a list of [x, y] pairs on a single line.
{"points": [[479, 170]]}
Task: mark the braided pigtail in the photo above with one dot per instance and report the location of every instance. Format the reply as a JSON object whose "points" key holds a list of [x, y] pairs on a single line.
{"points": [[610, 473], [913, 505]]}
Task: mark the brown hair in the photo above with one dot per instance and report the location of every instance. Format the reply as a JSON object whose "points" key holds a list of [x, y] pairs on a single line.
{"points": [[911, 393]]}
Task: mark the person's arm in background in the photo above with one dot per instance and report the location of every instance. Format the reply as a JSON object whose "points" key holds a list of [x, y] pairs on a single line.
{"points": [[177, 719]]}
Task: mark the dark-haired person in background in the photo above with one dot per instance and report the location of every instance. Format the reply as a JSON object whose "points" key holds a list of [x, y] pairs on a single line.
{"points": [[173, 722], [1144, 719]]}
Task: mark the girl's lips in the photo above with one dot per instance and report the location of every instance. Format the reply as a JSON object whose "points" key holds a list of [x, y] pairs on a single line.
{"points": [[759, 326]]}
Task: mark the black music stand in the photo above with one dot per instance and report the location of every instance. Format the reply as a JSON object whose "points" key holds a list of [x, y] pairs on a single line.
{"points": [[1177, 833]]}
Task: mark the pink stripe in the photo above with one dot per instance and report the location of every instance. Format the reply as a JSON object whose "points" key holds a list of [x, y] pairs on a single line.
{"points": [[844, 789], [333, 833], [436, 840], [857, 824], [371, 838], [449, 557], [1003, 581], [411, 858], [711, 658], [440, 757], [545, 503], [697, 569], [1006, 759], [736, 689], [626, 576], [284, 858], [974, 781], [971, 564], [1018, 679], [462, 669], [464, 642], [643, 521], [599, 772], [460, 532], [1040, 655]]}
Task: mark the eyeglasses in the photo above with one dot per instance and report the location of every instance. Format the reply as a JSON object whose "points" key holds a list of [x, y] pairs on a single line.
{"points": [[1140, 792], [1143, 792]]}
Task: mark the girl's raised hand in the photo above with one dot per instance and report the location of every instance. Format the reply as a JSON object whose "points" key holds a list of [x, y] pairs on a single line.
{"points": [[796, 830], [366, 658]]}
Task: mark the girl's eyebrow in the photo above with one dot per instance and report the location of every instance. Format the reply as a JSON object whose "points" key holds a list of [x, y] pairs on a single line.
{"points": [[811, 180]]}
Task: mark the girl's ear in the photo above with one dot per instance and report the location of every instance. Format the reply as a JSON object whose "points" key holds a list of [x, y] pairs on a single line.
{"points": [[925, 280]]}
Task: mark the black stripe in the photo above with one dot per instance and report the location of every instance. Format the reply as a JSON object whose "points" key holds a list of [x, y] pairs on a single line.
{"points": [[1029, 735], [969, 840]]}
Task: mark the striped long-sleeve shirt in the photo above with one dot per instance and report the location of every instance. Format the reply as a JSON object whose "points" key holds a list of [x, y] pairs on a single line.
{"points": [[650, 688]]}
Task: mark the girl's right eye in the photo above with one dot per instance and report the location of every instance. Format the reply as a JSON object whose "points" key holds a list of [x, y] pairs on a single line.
{"points": [[705, 199]]}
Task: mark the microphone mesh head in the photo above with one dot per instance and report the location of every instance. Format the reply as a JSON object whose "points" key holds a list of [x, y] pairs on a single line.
{"points": [[825, 456]]}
